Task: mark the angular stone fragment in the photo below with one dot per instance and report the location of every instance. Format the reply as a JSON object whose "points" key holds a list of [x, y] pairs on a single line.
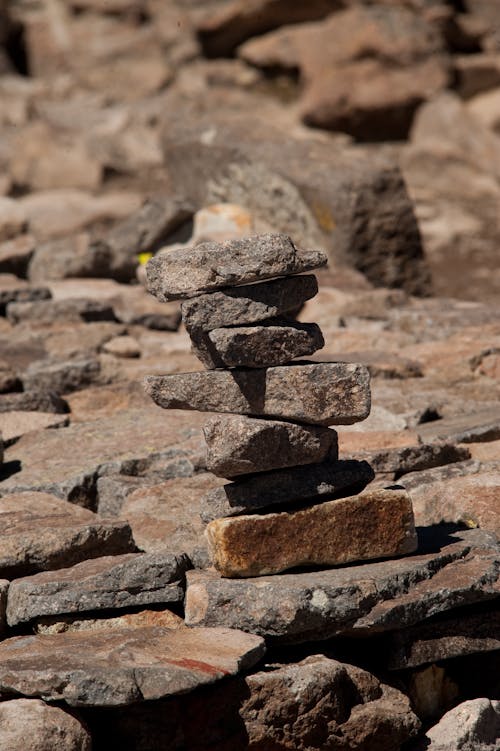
{"points": [[33, 401], [400, 460], [374, 524], [472, 725], [114, 668], [40, 532], [33, 725], [247, 304], [183, 273], [62, 377], [242, 445], [451, 569], [16, 423], [483, 425], [275, 343], [319, 393], [55, 311], [117, 581], [286, 486]]}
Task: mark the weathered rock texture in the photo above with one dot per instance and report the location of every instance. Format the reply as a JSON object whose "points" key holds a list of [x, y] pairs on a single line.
{"points": [[103, 583], [214, 265], [472, 726], [286, 487], [113, 668], [242, 445], [32, 725], [320, 393], [373, 524]]}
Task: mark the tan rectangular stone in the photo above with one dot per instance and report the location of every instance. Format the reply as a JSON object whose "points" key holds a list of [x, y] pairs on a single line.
{"points": [[374, 524]]}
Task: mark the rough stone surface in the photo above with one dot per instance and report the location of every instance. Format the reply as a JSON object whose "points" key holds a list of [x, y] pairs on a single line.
{"points": [[17, 423], [33, 725], [40, 532], [14, 290], [183, 273], [117, 581], [33, 401], [242, 445], [374, 524], [399, 460], [55, 311], [123, 346], [449, 571], [472, 726], [286, 487], [479, 426], [321, 393], [247, 304], [59, 625], [275, 343], [116, 668], [62, 377], [319, 703]]}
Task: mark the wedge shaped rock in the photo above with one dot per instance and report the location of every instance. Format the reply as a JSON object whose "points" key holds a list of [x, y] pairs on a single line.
{"points": [[316, 393], [242, 445], [285, 486], [374, 524], [209, 266], [247, 304], [122, 667], [261, 346]]}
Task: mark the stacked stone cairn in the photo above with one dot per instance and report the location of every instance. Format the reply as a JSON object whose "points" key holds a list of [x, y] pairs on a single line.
{"points": [[290, 502]]}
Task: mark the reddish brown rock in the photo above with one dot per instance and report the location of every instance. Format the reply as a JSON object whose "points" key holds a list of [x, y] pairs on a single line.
{"points": [[33, 725], [60, 625], [15, 424], [242, 445], [374, 524]]}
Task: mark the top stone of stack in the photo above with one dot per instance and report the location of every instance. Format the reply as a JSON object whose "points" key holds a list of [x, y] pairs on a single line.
{"points": [[232, 263]]}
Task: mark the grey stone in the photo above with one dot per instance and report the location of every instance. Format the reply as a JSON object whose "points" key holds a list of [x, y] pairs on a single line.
{"points": [[55, 311], [115, 581], [247, 304], [33, 401], [319, 393], [19, 292], [450, 570], [33, 725], [286, 487], [242, 445], [177, 274], [479, 426], [398, 461], [62, 377], [41, 532], [471, 726], [119, 668], [273, 343]]}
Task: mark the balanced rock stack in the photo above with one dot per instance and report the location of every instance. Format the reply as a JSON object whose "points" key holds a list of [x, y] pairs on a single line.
{"points": [[291, 501]]}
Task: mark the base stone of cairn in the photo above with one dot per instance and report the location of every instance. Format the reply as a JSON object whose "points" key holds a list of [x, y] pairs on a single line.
{"points": [[292, 502]]}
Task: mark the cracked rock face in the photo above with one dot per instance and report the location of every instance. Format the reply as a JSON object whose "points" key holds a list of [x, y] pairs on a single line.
{"points": [[242, 445], [116, 668], [374, 524], [227, 264]]}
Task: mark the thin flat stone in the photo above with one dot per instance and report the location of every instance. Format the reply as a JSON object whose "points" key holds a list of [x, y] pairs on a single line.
{"points": [[374, 524], [247, 304], [209, 266], [40, 532], [118, 581], [285, 486], [451, 569], [122, 667], [318, 393], [241, 445], [483, 425], [17, 423], [262, 346]]}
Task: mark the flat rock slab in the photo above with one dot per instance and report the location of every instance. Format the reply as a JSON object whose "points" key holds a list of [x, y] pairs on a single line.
{"points": [[319, 393], [452, 569], [15, 290], [116, 668], [243, 445], [17, 423], [118, 581], [177, 274], [247, 304], [125, 442], [483, 425], [262, 346], [397, 461], [33, 401], [374, 524], [59, 625], [40, 532], [285, 487]]}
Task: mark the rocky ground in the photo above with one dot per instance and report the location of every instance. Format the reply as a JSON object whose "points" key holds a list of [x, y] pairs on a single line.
{"points": [[368, 130]]}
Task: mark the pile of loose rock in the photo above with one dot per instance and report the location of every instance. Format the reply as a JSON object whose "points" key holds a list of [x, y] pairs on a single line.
{"points": [[292, 502]]}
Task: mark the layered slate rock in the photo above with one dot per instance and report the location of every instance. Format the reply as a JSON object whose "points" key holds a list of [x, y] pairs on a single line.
{"points": [[373, 524], [275, 343], [285, 487], [242, 445], [244, 305], [117, 668], [33, 725], [451, 569], [118, 581], [215, 265], [316, 393], [40, 532]]}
